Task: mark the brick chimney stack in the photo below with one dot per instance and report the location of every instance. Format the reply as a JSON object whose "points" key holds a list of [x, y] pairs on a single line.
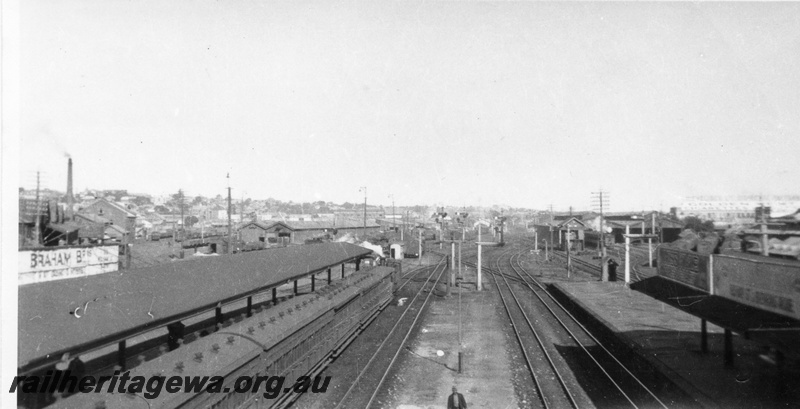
{"points": [[70, 197]]}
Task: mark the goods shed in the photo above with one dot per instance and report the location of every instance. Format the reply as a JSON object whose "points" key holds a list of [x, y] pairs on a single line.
{"points": [[276, 233]]}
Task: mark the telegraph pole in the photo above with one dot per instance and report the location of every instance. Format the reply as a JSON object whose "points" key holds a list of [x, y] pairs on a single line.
{"points": [[394, 224], [183, 219], [37, 237], [599, 200], [365, 211], [230, 234]]}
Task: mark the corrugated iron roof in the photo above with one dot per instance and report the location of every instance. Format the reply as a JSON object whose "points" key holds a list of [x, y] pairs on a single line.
{"points": [[117, 305], [64, 227], [119, 207], [328, 224]]}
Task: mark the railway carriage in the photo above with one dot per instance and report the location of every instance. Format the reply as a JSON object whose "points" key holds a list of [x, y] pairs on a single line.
{"points": [[292, 339], [592, 239]]}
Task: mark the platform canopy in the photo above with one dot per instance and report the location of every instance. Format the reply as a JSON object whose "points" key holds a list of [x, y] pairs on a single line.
{"points": [[777, 330], [80, 314]]}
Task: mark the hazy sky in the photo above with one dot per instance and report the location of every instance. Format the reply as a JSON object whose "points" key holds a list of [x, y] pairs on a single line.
{"points": [[526, 104]]}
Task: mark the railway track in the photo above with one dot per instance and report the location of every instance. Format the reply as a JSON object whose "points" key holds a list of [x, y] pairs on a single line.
{"points": [[550, 386], [555, 383], [485, 269], [639, 256], [372, 376]]}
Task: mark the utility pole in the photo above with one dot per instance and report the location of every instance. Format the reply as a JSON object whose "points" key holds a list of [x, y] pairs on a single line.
{"points": [[394, 224], [600, 201], [452, 282], [365, 210], [627, 254], [569, 252], [183, 219], [230, 234], [37, 237], [183, 222], [650, 240], [762, 227], [405, 226]]}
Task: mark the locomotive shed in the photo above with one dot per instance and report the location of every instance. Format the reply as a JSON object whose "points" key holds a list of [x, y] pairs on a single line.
{"points": [[84, 314]]}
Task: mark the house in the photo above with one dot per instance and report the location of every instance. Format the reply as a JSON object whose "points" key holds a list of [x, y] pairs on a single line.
{"points": [[111, 214]]}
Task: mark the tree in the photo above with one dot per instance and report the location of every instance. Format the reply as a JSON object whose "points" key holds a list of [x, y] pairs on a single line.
{"points": [[698, 225], [162, 209], [190, 221], [178, 201], [141, 200]]}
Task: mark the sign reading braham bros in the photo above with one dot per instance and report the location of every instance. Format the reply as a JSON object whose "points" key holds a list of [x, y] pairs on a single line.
{"points": [[45, 264]]}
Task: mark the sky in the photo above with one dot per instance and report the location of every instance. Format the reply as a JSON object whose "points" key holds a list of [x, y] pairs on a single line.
{"points": [[526, 104]]}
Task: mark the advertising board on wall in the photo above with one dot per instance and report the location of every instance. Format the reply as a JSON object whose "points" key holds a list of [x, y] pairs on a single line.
{"points": [[685, 267], [769, 286], [45, 264]]}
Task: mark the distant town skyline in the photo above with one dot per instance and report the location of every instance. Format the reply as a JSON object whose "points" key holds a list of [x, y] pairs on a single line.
{"points": [[526, 104]]}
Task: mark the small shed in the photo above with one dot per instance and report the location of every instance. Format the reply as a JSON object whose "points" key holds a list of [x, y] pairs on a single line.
{"points": [[396, 251], [572, 232]]}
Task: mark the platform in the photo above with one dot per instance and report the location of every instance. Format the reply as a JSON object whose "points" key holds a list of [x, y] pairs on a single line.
{"points": [[669, 340]]}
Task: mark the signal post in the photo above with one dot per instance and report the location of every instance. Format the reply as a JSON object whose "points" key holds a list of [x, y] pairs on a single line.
{"points": [[480, 262]]}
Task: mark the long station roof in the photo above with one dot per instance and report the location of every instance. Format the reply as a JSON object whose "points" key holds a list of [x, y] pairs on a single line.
{"points": [[778, 330], [80, 314]]}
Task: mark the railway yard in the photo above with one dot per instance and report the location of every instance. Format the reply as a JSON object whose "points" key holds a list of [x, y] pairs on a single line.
{"points": [[538, 334]]}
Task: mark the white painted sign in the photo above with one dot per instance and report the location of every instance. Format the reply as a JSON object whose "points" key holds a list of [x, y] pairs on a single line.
{"points": [[41, 265], [770, 286]]}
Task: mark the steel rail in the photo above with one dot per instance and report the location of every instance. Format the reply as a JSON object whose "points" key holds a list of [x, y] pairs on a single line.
{"points": [[488, 270], [389, 335], [408, 333], [585, 330], [411, 275], [558, 375]]}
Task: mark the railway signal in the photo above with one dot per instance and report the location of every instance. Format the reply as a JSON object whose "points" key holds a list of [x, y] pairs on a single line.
{"points": [[500, 221]]}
